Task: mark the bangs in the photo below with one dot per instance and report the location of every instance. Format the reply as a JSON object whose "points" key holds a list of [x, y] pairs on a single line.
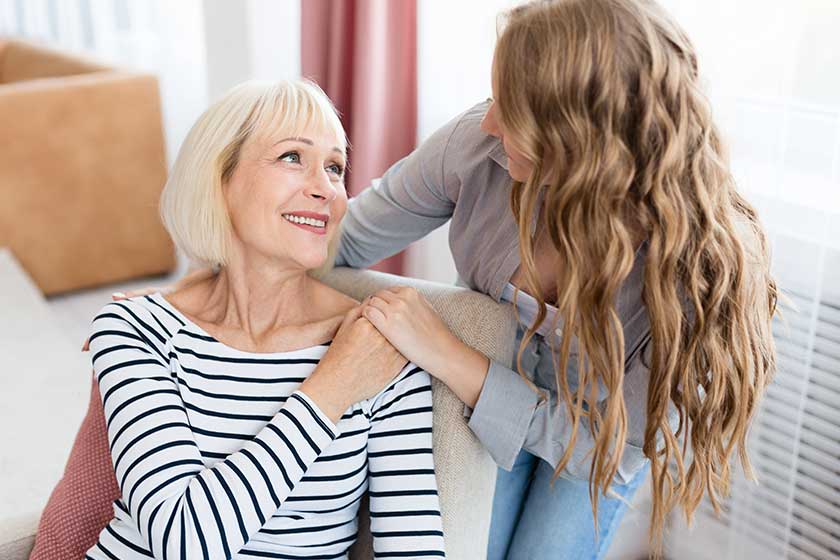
{"points": [[291, 109]]}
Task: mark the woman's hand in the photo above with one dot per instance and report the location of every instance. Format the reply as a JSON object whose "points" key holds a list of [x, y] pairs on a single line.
{"points": [[188, 279], [410, 323], [359, 364]]}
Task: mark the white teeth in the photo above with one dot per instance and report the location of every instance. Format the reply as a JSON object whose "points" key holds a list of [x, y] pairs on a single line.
{"points": [[308, 221]]}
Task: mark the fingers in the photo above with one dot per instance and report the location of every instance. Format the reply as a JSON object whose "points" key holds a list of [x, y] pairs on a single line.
{"points": [[405, 291], [387, 295], [351, 316], [375, 316], [378, 307], [379, 303], [401, 295], [86, 345]]}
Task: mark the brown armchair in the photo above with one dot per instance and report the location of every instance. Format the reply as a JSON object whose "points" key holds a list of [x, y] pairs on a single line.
{"points": [[82, 165]]}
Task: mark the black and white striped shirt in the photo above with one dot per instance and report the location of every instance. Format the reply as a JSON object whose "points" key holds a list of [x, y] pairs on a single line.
{"points": [[217, 454]]}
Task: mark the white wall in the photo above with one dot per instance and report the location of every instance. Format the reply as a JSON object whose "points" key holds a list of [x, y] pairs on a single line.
{"points": [[274, 39], [250, 40]]}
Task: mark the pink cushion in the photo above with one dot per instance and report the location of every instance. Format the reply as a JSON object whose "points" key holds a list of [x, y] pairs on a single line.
{"points": [[81, 504]]}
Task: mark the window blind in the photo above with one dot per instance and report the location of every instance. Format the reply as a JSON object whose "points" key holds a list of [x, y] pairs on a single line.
{"points": [[794, 509]]}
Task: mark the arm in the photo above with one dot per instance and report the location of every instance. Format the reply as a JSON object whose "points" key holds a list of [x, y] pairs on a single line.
{"points": [[404, 507], [508, 417], [414, 197], [182, 508]]}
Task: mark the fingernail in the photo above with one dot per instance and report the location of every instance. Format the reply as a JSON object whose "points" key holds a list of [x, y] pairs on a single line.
{"points": [[118, 295]]}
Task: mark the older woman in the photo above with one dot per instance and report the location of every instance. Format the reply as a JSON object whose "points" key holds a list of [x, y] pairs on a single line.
{"points": [[249, 412]]}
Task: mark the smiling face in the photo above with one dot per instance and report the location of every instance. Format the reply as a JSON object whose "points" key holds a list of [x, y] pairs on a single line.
{"points": [[286, 198]]}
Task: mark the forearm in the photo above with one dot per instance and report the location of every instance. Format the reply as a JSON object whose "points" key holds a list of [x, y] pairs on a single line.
{"points": [[461, 368], [256, 480], [510, 416], [414, 197]]}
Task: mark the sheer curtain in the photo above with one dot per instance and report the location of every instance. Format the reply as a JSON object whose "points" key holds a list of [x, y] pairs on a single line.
{"points": [[773, 71]]}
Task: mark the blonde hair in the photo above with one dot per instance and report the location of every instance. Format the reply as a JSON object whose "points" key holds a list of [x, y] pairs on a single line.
{"points": [[192, 204], [604, 96]]}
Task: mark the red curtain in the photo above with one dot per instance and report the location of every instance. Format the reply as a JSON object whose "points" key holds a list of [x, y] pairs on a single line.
{"points": [[363, 53]]}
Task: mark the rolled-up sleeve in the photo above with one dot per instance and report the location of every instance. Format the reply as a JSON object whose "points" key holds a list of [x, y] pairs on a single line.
{"points": [[502, 416], [510, 416]]}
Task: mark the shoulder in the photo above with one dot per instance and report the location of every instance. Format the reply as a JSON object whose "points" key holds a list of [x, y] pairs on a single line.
{"points": [[465, 136], [469, 121], [461, 142], [461, 154], [142, 318], [329, 301]]}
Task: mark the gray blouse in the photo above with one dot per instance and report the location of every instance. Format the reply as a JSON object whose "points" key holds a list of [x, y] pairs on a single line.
{"points": [[460, 175]]}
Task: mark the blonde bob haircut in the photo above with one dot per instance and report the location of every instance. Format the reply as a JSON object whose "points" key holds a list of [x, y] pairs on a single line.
{"points": [[192, 204]]}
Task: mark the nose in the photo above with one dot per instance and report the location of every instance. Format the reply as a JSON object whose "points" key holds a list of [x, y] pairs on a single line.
{"points": [[489, 123], [319, 187]]}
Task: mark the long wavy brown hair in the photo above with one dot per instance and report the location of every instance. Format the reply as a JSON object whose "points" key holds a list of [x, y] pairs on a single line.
{"points": [[603, 98]]}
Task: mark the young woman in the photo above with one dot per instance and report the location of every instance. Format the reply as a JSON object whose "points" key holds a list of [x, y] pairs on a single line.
{"points": [[236, 429], [641, 277], [594, 194]]}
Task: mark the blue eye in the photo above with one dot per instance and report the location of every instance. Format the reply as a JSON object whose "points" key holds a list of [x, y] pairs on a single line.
{"points": [[336, 169], [293, 157]]}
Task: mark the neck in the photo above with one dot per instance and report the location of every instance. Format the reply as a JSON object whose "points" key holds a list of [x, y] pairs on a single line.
{"points": [[257, 295]]}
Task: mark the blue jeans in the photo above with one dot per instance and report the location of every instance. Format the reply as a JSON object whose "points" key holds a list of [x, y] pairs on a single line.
{"points": [[532, 520]]}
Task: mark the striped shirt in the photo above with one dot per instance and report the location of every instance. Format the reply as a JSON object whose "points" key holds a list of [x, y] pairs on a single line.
{"points": [[218, 455]]}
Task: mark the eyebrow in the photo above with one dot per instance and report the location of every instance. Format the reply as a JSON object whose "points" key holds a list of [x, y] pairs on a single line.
{"points": [[306, 141]]}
